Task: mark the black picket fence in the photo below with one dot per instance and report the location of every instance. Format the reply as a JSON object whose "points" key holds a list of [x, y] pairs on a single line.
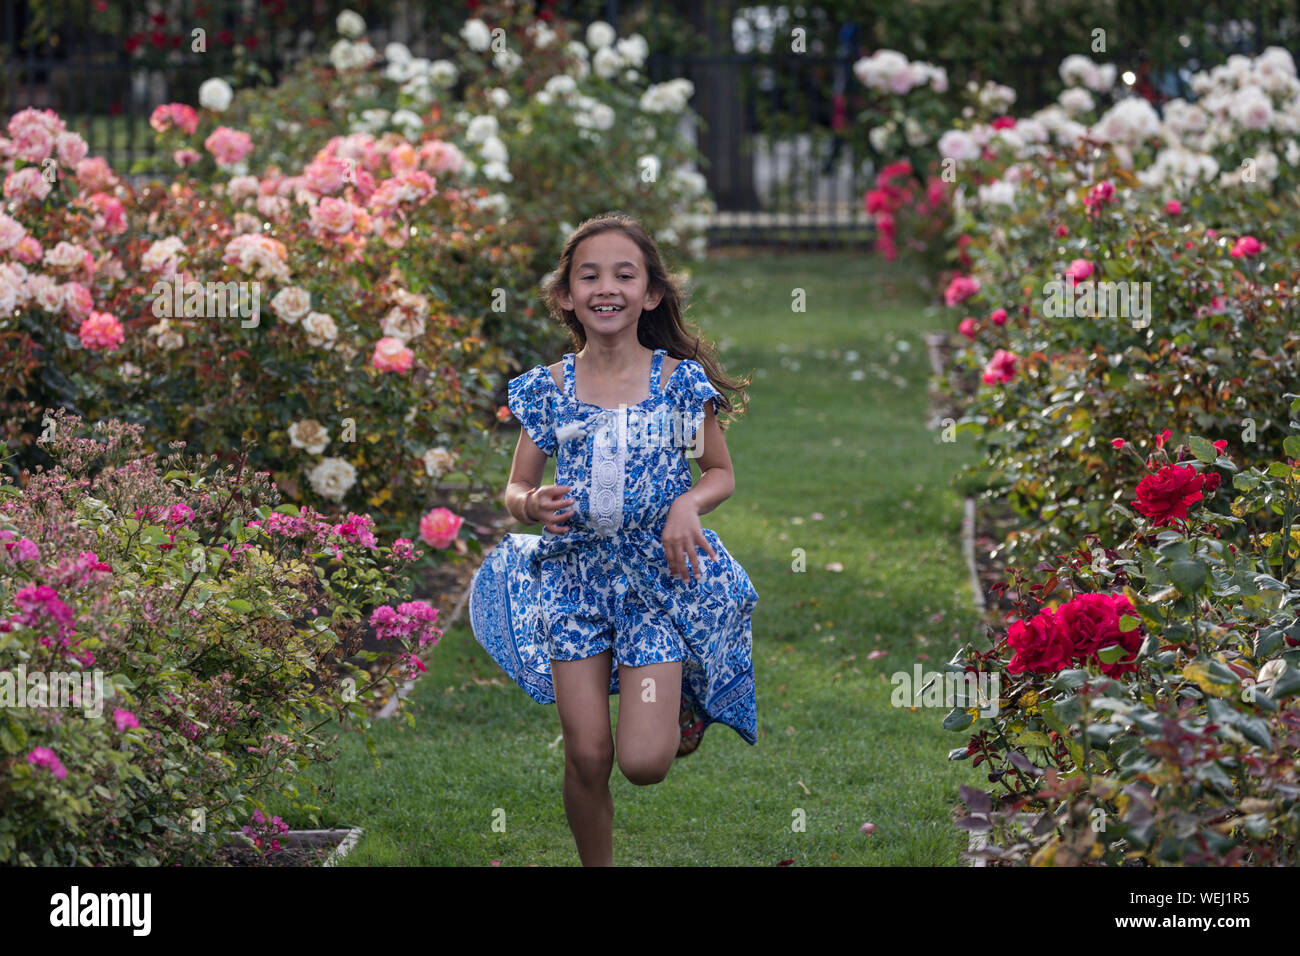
{"points": [[780, 171]]}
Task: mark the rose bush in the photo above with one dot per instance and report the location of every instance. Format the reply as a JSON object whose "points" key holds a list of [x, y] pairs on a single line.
{"points": [[538, 116], [1098, 303], [1152, 715], [227, 630], [349, 318]]}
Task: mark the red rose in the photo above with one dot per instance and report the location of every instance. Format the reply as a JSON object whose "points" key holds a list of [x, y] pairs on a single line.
{"points": [[1091, 622], [1212, 481], [1165, 496], [1040, 644]]}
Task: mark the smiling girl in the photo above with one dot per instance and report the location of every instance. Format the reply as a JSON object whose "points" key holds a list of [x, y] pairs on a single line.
{"points": [[623, 592]]}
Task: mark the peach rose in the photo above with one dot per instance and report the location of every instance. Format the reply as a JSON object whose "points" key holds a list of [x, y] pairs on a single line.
{"points": [[392, 355], [440, 527]]}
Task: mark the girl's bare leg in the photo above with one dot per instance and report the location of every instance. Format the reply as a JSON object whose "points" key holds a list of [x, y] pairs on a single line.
{"points": [[649, 701], [582, 698]]}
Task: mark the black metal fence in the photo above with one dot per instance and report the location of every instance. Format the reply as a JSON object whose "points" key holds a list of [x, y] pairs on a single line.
{"points": [[775, 161]]}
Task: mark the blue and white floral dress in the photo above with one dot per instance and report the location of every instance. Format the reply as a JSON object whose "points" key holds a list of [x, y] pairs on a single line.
{"points": [[605, 581]]}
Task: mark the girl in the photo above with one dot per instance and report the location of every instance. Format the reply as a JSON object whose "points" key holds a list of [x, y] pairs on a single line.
{"points": [[615, 588]]}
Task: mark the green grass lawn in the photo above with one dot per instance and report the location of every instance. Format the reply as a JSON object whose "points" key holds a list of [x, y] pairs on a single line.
{"points": [[831, 750]]}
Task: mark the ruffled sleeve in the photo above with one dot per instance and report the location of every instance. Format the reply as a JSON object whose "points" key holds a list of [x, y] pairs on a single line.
{"points": [[531, 399], [692, 389]]}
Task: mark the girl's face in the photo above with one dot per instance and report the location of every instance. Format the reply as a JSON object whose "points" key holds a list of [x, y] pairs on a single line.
{"points": [[608, 271]]}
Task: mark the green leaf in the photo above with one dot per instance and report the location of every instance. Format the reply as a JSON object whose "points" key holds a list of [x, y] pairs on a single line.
{"points": [[1128, 622], [1188, 576], [1291, 445], [1032, 738], [239, 605], [1203, 449], [1112, 652], [957, 719], [1255, 729], [1286, 685]]}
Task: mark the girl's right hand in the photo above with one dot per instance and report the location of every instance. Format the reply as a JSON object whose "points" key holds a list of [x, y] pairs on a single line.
{"points": [[552, 501]]}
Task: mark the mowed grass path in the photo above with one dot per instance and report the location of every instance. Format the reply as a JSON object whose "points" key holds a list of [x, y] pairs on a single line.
{"points": [[833, 753]]}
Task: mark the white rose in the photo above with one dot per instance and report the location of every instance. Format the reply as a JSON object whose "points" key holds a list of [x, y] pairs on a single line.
{"points": [[408, 120], [481, 128], [1076, 99], [291, 304], [959, 145], [493, 150], [476, 35], [320, 328], [633, 49], [600, 35], [438, 461], [397, 53], [215, 94], [310, 435], [561, 85], [500, 98], [332, 478], [350, 24], [507, 61], [443, 73], [606, 63], [498, 171]]}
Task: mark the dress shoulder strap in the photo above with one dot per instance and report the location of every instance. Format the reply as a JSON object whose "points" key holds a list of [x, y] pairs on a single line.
{"points": [[655, 365], [568, 376]]}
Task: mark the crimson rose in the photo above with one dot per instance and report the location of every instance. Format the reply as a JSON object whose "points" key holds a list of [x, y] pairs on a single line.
{"points": [[1165, 496]]}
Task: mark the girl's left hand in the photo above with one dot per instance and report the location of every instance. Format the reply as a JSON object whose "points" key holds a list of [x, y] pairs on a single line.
{"points": [[682, 536]]}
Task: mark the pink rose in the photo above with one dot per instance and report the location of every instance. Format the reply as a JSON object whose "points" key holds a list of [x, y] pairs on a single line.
{"points": [[327, 175], [77, 300], [439, 527], [12, 232], [72, 149], [1246, 246], [95, 175], [333, 215], [124, 719], [1079, 269], [101, 331], [186, 157], [402, 159], [1173, 207], [968, 328], [998, 316], [228, 145], [45, 757], [1001, 368], [26, 184], [392, 355], [33, 144], [441, 157], [28, 250], [1102, 193], [184, 117], [960, 289], [113, 212]]}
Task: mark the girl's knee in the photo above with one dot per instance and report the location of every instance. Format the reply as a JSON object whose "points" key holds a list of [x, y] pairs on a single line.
{"points": [[643, 769], [591, 764]]}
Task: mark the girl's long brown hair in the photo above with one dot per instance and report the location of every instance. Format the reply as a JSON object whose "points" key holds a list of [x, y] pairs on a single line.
{"points": [[662, 327]]}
